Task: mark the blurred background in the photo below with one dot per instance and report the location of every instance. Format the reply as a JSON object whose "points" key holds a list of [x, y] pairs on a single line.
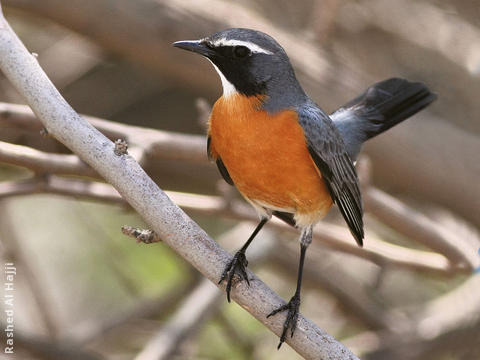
{"points": [[84, 290]]}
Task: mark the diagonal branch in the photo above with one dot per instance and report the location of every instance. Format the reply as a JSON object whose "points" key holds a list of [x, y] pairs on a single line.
{"points": [[429, 327], [202, 303], [417, 226], [169, 221], [43, 348], [158, 306]]}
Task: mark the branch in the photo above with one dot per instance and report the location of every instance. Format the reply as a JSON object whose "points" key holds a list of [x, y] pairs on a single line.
{"points": [[457, 42], [415, 225], [157, 306], [354, 297], [42, 308], [157, 143], [167, 145], [202, 303], [149, 20], [50, 350], [405, 153], [333, 236], [429, 326], [42, 162], [52, 184], [166, 219]]}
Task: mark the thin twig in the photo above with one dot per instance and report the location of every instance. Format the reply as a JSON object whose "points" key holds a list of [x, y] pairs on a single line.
{"points": [[428, 323], [50, 350], [42, 162], [144, 308], [415, 225], [53, 184], [457, 42], [158, 144], [354, 297], [239, 338], [200, 305], [334, 236], [39, 295]]}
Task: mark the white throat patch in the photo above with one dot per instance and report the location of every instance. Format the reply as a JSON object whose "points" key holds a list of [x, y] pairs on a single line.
{"points": [[228, 88]]}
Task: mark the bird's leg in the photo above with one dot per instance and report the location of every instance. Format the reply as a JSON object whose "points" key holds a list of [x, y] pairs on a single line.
{"points": [[239, 261], [294, 304]]}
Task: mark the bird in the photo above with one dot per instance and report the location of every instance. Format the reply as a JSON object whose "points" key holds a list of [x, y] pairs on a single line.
{"points": [[286, 156]]}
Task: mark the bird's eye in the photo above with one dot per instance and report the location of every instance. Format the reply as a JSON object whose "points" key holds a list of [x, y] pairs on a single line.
{"points": [[241, 51]]}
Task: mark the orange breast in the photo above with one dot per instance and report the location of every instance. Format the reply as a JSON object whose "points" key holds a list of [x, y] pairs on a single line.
{"points": [[267, 157]]}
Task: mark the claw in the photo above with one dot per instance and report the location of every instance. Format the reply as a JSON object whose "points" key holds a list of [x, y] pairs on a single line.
{"points": [[292, 317], [238, 263]]}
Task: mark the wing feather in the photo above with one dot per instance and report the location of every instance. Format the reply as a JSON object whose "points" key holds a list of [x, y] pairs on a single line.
{"points": [[329, 154], [220, 165]]}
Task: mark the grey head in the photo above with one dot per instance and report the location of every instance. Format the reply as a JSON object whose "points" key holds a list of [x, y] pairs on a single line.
{"points": [[251, 63]]}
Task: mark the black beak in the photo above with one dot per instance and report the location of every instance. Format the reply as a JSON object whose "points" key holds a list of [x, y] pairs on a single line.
{"points": [[196, 46]]}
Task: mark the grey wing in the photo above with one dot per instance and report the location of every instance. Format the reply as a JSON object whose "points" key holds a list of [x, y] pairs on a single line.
{"points": [[330, 155]]}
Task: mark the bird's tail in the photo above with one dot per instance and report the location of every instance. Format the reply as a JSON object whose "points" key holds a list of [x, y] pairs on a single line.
{"points": [[382, 106]]}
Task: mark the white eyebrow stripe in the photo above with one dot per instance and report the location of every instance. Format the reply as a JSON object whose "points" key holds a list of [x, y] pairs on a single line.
{"points": [[254, 48]]}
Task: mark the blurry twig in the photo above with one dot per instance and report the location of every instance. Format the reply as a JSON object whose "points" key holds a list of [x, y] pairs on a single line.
{"points": [[428, 327], [194, 17], [145, 308], [39, 295], [457, 40], [200, 305], [47, 349], [239, 338], [203, 109], [43, 162], [156, 143], [323, 18], [82, 57], [354, 297], [414, 157], [419, 227], [334, 236], [175, 146], [53, 184]]}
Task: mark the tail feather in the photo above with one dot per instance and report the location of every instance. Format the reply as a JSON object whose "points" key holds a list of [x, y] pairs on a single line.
{"points": [[380, 107]]}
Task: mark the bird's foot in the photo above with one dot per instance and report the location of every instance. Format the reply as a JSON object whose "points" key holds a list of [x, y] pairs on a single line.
{"points": [[236, 266], [292, 317]]}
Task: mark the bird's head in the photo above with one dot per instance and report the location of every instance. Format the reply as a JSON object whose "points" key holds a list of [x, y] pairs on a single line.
{"points": [[249, 62]]}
